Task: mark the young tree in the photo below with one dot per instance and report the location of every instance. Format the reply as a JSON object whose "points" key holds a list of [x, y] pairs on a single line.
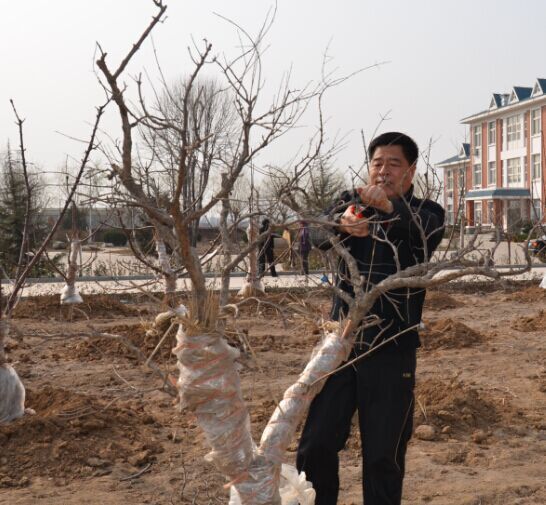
{"points": [[209, 384], [257, 126], [12, 391]]}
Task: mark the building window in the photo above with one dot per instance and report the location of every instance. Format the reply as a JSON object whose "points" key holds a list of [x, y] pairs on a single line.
{"points": [[535, 168], [513, 167], [491, 173], [450, 217], [536, 211], [449, 180], [490, 212], [535, 122], [491, 133], [513, 131], [477, 138], [478, 214], [477, 175], [460, 181]]}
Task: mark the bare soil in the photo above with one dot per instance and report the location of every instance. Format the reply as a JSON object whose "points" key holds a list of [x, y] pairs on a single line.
{"points": [[448, 333], [104, 432]]}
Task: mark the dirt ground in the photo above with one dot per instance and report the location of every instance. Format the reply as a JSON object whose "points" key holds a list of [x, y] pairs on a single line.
{"points": [[104, 433]]}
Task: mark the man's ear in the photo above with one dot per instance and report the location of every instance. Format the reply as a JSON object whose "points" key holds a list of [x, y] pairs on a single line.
{"points": [[412, 169]]}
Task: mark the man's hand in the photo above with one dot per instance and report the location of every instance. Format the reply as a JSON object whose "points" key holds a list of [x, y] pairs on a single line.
{"points": [[375, 196], [352, 225]]}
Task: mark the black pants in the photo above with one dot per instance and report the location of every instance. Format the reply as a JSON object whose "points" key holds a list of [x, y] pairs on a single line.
{"points": [[266, 255], [381, 388], [305, 262]]}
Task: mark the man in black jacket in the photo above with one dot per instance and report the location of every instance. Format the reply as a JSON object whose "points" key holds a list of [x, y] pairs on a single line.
{"points": [[375, 221], [266, 250]]}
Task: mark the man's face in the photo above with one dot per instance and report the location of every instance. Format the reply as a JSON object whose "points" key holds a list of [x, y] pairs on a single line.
{"points": [[391, 171]]}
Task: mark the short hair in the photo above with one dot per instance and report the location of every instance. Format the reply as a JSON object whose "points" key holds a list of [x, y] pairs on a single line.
{"points": [[408, 145]]}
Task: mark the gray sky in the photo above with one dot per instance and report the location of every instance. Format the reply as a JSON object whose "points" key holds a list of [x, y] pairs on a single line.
{"points": [[445, 59]]}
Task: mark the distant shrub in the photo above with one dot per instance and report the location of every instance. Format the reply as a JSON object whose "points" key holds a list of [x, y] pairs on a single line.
{"points": [[115, 237]]}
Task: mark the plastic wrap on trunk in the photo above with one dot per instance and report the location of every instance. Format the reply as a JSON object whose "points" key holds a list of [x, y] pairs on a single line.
{"points": [[70, 295], [278, 433], [210, 388], [265, 482], [294, 489], [12, 394]]}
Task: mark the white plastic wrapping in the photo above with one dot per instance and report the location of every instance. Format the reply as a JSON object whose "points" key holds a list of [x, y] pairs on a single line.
{"points": [[277, 435], [12, 394], [250, 288], [543, 282], [259, 485], [70, 295], [294, 489], [165, 265], [210, 388]]}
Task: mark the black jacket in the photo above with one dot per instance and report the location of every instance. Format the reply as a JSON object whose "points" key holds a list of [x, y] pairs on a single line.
{"points": [[401, 308], [266, 246]]}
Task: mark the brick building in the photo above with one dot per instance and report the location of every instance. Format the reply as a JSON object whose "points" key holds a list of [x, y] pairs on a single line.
{"points": [[500, 175]]}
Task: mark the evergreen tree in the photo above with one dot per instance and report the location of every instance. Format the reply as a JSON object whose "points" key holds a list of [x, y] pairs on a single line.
{"points": [[13, 207], [324, 184]]}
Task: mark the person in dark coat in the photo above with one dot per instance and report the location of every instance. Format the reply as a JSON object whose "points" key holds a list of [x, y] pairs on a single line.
{"points": [[380, 385], [266, 251], [304, 246]]}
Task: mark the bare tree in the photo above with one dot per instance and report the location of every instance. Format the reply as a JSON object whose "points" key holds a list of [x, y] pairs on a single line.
{"points": [[12, 392], [209, 384], [199, 114], [315, 190], [255, 129], [69, 294]]}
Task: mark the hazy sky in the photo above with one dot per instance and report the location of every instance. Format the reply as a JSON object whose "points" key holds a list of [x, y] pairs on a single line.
{"points": [[445, 58]]}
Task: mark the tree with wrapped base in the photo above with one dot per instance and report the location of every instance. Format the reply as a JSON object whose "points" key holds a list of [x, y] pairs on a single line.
{"points": [[209, 384], [12, 391]]}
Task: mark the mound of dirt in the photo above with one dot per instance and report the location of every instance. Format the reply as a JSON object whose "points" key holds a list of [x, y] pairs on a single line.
{"points": [[284, 303], [96, 306], [438, 300], [136, 334], [530, 294], [531, 323], [448, 334], [72, 436], [484, 287], [456, 405]]}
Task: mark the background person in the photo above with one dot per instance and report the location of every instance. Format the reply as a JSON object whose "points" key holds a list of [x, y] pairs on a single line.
{"points": [[304, 243], [266, 251]]}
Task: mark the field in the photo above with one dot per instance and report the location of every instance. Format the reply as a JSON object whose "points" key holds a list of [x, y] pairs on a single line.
{"points": [[104, 434]]}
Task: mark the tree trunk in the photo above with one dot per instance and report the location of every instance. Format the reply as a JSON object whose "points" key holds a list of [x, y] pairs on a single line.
{"points": [[12, 391], [253, 284], [169, 276], [193, 266], [281, 428], [210, 388], [461, 232], [69, 294]]}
